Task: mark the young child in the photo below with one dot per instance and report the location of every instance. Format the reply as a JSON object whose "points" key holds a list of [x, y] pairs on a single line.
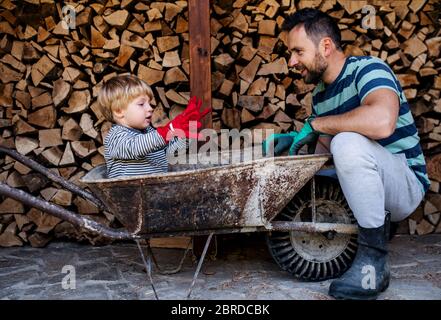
{"points": [[132, 147]]}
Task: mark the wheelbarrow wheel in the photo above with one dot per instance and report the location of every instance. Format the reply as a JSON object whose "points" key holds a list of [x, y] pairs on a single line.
{"points": [[315, 256]]}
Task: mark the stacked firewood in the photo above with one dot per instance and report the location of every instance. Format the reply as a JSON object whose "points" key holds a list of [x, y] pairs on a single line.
{"points": [[51, 72]]}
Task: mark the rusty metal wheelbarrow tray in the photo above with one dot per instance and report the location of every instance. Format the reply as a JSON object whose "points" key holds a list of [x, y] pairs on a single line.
{"points": [[239, 197]]}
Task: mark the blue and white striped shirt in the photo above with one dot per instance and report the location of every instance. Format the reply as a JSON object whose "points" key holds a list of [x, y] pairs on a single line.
{"points": [[131, 152], [359, 77]]}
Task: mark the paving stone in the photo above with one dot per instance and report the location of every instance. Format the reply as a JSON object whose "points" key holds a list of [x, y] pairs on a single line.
{"points": [[243, 269]]}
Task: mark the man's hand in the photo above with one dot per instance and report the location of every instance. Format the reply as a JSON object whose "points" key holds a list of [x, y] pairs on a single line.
{"points": [[281, 142], [306, 136]]}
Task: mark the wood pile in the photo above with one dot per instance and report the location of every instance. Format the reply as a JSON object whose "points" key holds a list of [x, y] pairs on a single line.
{"points": [[50, 76]]}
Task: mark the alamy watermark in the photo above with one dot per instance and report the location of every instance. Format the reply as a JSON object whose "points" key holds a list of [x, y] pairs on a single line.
{"points": [[69, 281], [369, 21], [69, 17], [368, 282]]}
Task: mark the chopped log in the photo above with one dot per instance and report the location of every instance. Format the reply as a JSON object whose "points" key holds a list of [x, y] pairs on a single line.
{"points": [[407, 80], [249, 72], [71, 130], [278, 66], [85, 206], [231, 118], [252, 103], [167, 43], [8, 74], [150, 76], [11, 206], [21, 220], [21, 168], [79, 101], [86, 124], [424, 227], [171, 59], [8, 237], [267, 27], [134, 40], [118, 19], [98, 40], [60, 91], [433, 46], [217, 104], [53, 155], [174, 75], [41, 69], [258, 87], [62, 198], [39, 240], [267, 112], [281, 117], [226, 87], [50, 138], [176, 97], [67, 157], [125, 53], [44, 222], [246, 116], [247, 53], [83, 148], [414, 47], [21, 127], [223, 62], [434, 167], [25, 145]]}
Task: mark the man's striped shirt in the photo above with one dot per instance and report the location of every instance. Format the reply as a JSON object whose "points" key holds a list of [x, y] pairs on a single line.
{"points": [[359, 77], [131, 152]]}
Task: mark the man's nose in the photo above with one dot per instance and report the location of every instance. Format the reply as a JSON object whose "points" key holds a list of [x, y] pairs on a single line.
{"points": [[149, 107], [292, 61]]}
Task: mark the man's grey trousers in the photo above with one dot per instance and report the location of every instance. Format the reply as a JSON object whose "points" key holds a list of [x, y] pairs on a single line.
{"points": [[374, 180]]}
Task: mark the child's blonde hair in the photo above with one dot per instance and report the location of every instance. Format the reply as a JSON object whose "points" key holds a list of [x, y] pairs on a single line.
{"points": [[119, 91]]}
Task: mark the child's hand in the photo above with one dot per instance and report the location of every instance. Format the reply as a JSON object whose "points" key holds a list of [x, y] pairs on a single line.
{"points": [[192, 112], [180, 125]]}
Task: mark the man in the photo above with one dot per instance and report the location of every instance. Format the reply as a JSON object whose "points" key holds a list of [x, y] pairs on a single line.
{"points": [[358, 102]]}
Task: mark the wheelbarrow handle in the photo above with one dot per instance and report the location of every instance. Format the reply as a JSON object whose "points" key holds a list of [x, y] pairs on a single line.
{"points": [[54, 177], [63, 213]]}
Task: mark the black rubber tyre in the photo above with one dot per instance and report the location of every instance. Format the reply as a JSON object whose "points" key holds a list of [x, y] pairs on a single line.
{"points": [[315, 256]]}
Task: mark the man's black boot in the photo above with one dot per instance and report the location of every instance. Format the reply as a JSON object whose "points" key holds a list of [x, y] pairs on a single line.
{"points": [[369, 274]]}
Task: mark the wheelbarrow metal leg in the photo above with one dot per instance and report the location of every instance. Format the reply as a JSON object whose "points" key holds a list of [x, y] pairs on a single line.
{"points": [[148, 265], [201, 260]]}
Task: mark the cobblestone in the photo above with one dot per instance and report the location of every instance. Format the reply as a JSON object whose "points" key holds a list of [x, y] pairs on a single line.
{"points": [[243, 269]]}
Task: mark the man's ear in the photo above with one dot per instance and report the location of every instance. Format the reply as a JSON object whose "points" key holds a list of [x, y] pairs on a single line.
{"points": [[326, 46]]}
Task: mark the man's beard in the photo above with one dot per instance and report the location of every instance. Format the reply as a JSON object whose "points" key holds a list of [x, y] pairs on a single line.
{"points": [[314, 74]]}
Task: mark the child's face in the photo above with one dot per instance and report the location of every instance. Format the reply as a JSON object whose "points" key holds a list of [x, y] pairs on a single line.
{"points": [[137, 115]]}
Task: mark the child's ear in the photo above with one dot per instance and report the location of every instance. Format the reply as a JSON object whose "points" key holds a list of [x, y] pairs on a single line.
{"points": [[118, 114]]}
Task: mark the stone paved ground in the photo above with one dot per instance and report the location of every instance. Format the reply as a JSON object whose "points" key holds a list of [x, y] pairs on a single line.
{"points": [[243, 269]]}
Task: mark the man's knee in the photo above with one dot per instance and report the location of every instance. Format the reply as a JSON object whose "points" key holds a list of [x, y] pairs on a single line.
{"points": [[349, 149]]}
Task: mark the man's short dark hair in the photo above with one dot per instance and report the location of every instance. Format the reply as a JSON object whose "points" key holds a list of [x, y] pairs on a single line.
{"points": [[317, 25]]}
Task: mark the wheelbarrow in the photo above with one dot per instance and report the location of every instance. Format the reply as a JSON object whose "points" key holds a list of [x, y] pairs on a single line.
{"points": [[310, 229]]}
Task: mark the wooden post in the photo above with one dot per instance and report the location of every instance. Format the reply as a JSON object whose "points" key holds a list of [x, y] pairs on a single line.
{"points": [[200, 54]]}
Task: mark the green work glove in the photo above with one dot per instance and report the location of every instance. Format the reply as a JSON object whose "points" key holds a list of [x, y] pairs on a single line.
{"points": [[305, 136], [281, 142]]}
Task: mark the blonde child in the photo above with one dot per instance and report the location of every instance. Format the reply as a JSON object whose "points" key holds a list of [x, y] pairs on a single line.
{"points": [[132, 146]]}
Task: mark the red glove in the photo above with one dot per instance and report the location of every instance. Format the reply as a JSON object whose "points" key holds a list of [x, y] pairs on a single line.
{"points": [[193, 110], [182, 122]]}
